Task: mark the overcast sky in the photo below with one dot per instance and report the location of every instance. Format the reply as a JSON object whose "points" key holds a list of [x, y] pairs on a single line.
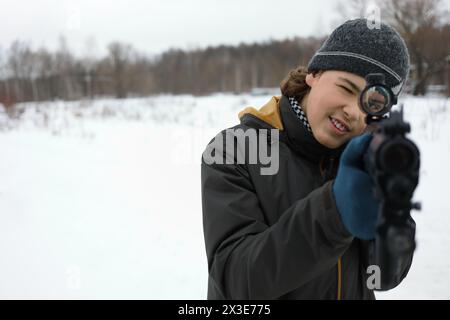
{"points": [[153, 26]]}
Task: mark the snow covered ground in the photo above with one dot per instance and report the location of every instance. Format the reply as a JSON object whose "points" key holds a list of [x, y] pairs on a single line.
{"points": [[101, 199]]}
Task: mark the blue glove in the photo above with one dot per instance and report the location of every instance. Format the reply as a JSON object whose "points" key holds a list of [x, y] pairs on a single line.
{"points": [[353, 191]]}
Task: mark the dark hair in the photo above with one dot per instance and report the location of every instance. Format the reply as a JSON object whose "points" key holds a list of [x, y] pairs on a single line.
{"points": [[294, 85]]}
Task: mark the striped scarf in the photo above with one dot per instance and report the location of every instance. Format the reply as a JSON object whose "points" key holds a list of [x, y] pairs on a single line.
{"points": [[300, 113]]}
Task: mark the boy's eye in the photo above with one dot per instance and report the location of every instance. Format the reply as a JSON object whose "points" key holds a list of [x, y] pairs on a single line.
{"points": [[346, 89]]}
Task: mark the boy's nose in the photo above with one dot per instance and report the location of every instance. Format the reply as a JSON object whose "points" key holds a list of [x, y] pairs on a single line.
{"points": [[352, 112]]}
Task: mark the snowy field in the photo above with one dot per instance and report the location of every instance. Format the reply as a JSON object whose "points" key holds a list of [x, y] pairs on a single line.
{"points": [[101, 200]]}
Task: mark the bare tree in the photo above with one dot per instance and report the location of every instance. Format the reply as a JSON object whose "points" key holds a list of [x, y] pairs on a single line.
{"points": [[424, 25], [88, 63], [351, 9], [119, 56], [16, 64], [46, 74], [5, 96], [63, 64]]}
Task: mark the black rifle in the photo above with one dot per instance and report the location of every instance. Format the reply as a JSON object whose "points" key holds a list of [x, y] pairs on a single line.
{"points": [[393, 161]]}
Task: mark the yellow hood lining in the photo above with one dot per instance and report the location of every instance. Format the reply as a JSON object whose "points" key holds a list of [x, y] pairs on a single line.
{"points": [[269, 113]]}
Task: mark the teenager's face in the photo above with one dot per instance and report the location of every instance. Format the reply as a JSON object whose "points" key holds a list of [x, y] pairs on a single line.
{"points": [[332, 107]]}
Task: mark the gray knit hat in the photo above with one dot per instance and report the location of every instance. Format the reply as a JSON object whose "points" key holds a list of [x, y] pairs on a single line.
{"points": [[358, 49]]}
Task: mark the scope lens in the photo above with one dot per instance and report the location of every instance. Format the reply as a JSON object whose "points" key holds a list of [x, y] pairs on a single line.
{"points": [[376, 100]]}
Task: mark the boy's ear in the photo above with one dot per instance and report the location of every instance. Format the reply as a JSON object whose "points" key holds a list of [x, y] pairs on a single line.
{"points": [[311, 79]]}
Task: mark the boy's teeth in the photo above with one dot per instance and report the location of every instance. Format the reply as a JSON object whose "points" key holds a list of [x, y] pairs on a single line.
{"points": [[338, 125]]}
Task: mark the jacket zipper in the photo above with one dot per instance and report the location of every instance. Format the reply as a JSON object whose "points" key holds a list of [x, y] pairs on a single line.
{"points": [[339, 291], [339, 265], [326, 168]]}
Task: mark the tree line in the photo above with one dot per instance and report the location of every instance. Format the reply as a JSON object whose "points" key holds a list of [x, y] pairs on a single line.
{"points": [[28, 74], [42, 75]]}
